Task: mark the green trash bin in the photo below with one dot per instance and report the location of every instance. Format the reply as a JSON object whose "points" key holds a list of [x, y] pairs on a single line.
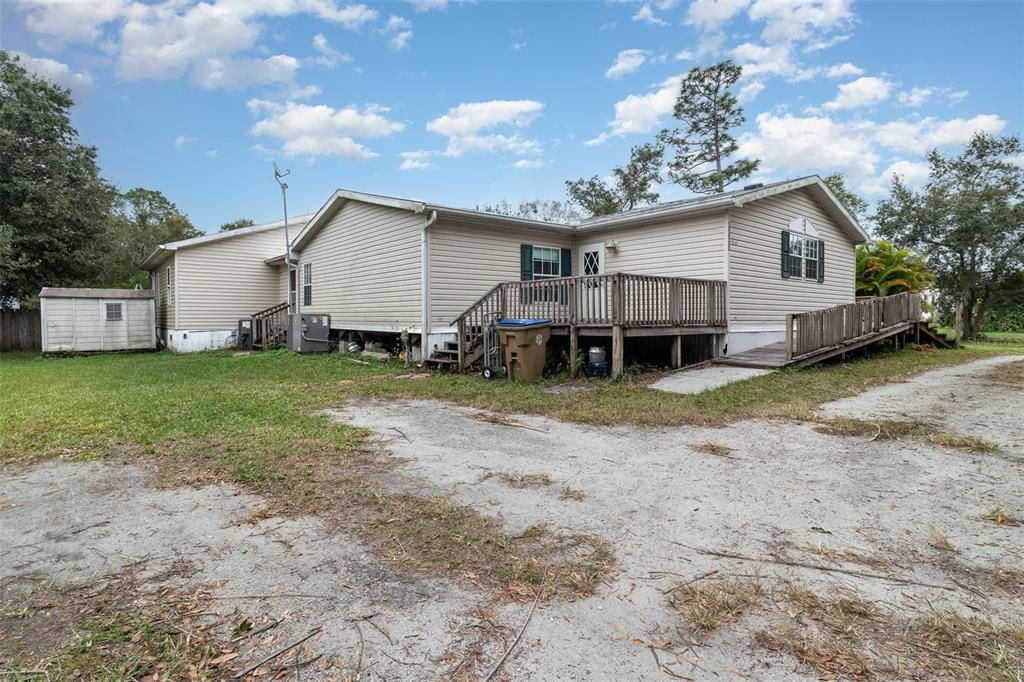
{"points": [[525, 343]]}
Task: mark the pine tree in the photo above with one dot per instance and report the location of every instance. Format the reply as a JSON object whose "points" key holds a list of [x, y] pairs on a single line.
{"points": [[709, 111]]}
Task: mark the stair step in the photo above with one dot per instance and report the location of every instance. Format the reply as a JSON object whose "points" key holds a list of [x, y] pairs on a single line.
{"points": [[447, 351]]}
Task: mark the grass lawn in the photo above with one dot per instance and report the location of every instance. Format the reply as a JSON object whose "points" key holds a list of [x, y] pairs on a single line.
{"points": [[254, 420]]}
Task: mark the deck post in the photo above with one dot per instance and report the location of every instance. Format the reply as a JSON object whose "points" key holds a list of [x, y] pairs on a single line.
{"points": [[618, 352], [677, 351], [574, 342], [789, 337], [462, 344]]}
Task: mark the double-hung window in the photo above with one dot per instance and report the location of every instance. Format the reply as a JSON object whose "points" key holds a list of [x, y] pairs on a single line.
{"points": [[547, 262], [803, 256], [307, 284]]}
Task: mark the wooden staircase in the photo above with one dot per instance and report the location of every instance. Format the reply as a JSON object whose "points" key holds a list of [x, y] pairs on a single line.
{"points": [[270, 327]]}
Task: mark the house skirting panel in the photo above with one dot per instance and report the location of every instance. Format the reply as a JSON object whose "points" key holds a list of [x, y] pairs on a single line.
{"points": [[743, 339], [193, 341]]}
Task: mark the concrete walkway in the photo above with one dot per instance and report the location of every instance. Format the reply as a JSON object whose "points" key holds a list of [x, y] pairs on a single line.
{"points": [[705, 378]]}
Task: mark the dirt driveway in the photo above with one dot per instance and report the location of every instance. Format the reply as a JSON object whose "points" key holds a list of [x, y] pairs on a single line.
{"points": [[899, 524]]}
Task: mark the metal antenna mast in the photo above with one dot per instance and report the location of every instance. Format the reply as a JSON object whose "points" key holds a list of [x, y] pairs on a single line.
{"points": [[292, 295]]}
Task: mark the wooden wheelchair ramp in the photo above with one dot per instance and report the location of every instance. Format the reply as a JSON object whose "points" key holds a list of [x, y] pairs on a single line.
{"points": [[818, 335]]}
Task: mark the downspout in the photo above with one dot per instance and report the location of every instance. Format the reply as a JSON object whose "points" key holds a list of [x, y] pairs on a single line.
{"points": [[425, 284]]}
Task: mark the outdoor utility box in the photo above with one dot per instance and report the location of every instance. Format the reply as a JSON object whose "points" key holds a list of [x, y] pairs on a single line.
{"points": [[309, 333], [525, 343], [245, 334]]}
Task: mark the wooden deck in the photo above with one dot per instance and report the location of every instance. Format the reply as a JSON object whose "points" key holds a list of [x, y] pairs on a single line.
{"points": [[618, 305], [819, 335]]}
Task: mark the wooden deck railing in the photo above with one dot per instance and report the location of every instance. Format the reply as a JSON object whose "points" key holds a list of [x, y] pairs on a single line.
{"points": [[817, 330], [270, 327], [612, 300]]}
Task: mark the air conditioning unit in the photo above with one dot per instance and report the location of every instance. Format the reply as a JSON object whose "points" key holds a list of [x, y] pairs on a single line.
{"points": [[245, 334], [309, 333]]}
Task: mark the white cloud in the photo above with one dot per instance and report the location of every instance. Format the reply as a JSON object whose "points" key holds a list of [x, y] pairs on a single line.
{"points": [[57, 72], [958, 95], [863, 92], [627, 61], [641, 113], [70, 22], [915, 97], [817, 45], [771, 60], [211, 153], [685, 55], [920, 135], [528, 163], [749, 92], [812, 144], [239, 73], [800, 19], [416, 161], [844, 70], [463, 125], [913, 173], [181, 141], [428, 5], [400, 30], [320, 130], [646, 14], [329, 57], [168, 39], [713, 14], [518, 46]]}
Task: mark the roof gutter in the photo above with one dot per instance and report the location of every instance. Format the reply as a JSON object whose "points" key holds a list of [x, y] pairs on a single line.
{"points": [[425, 283]]}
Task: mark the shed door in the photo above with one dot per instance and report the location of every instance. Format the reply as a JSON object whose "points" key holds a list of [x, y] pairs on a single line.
{"points": [[114, 324], [592, 304]]}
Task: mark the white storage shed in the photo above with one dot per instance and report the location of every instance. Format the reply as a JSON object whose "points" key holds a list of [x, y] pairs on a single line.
{"points": [[97, 320]]}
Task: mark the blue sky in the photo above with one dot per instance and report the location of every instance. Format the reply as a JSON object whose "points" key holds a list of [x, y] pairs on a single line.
{"points": [[467, 103]]}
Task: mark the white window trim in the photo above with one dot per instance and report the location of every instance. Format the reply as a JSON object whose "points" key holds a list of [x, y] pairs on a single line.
{"points": [[307, 284], [557, 262], [803, 240]]}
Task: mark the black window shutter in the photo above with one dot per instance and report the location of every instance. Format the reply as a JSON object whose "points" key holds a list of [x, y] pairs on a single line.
{"points": [[525, 262], [821, 260], [785, 254]]}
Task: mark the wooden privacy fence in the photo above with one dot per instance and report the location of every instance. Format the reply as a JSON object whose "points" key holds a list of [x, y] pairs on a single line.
{"points": [[20, 330], [817, 330]]}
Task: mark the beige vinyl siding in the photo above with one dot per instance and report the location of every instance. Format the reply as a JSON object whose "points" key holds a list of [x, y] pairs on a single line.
{"points": [[758, 294], [165, 308], [366, 268], [222, 281], [691, 247], [466, 261], [282, 284]]}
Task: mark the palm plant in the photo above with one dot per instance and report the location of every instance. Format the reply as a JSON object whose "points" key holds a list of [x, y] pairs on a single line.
{"points": [[884, 270]]}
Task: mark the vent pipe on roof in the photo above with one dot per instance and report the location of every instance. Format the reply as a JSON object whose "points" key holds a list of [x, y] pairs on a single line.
{"points": [[756, 185]]}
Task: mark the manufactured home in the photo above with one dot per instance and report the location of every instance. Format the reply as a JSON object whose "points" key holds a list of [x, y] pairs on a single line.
{"points": [[205, 285], [97, 320], [715, 275]]}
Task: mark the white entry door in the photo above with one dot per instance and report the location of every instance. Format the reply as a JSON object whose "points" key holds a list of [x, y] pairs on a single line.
{"points": [[592, 302]]}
